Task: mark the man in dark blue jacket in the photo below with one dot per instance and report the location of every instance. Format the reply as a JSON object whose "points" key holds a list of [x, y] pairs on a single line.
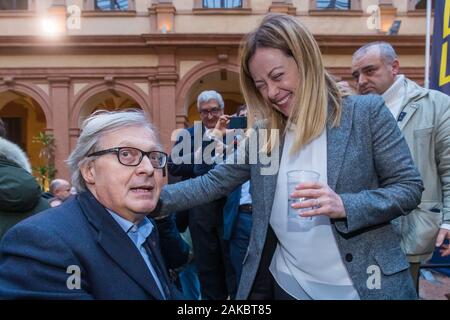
{"points": [[190, 158], [101, 244]]}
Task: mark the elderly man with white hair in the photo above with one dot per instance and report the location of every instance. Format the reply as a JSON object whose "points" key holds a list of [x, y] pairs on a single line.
{"points": [[101, 244], [206, 221]]}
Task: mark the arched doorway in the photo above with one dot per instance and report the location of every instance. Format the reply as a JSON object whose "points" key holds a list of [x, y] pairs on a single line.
{"points": [[225, 82], [25, 119], [107, 100]]}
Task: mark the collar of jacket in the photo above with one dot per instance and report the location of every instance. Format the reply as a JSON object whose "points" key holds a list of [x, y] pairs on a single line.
{"points": [[13, 153], [117, 244], [414, 92]]}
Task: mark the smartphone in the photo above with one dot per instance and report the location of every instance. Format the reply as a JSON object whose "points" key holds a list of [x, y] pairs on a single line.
{"points": [[237, 123]]}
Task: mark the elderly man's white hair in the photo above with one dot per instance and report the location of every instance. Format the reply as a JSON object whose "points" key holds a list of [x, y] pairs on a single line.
{"points": [[205, 96], [94, 128]]}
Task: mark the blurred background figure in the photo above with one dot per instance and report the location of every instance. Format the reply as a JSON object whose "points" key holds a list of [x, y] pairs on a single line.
{"points": [[205, 222], [20, 194], [61, 190]]}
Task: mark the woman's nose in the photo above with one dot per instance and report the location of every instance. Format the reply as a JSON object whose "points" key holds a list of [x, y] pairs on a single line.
{"points": [[272, 92]]}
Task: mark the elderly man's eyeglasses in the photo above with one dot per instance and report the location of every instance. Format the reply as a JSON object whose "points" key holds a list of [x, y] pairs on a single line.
{"points": [[213, 112], [132, 157]]}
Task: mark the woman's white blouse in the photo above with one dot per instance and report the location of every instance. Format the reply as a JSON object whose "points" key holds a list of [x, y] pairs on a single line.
{"points": [[307, 263]]}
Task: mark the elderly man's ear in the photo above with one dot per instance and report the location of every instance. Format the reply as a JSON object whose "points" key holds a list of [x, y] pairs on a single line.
{"points": [[88, 172]]}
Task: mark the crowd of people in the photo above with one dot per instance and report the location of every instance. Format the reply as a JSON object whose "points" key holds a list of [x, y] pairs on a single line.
{"points": [[220, 230]]}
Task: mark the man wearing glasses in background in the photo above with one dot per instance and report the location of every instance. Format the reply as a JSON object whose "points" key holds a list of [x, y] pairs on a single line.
{"points": [[101, 244], [217, 279]]}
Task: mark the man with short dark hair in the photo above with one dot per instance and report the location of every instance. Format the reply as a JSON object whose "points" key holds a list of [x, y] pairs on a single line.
{"points": [[424, 117]]}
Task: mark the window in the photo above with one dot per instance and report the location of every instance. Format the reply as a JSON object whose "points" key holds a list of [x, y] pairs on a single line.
{"points": [[13, 4], [111, 5], [335, 7], [333, 4], [222, 7], [419, 4], [222, 4]]}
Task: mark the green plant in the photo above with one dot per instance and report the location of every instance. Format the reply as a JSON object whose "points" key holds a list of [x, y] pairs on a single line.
{"points": [[45, 173]]}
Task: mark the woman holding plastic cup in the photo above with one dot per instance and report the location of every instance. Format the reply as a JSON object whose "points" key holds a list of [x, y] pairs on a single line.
{"points": [[349, 249]]}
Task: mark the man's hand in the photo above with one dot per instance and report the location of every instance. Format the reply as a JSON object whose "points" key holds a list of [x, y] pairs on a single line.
{"points": [[445, 248], [221, 126]]}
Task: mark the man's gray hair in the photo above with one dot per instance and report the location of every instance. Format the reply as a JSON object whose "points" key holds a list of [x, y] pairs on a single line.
{"points": [[94, 128], [387, 52], [205, 96]]}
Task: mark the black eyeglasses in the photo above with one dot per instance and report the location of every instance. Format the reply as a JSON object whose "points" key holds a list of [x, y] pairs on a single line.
{"points": [[132, 157], [213, 112]]}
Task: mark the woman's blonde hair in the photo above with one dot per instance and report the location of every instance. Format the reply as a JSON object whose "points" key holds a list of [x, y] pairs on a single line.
{"points": [[316, 91]]}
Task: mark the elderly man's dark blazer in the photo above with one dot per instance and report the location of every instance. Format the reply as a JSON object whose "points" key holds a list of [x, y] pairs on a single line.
{"points": [[41, 255]]}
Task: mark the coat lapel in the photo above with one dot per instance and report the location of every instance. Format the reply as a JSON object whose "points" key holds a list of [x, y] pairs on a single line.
{"points": [[118, 245], [270, 183], [153, 246], [337, 140]]}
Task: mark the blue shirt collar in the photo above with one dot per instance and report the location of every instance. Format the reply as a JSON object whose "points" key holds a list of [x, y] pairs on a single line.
{"points": [[144, 228]]}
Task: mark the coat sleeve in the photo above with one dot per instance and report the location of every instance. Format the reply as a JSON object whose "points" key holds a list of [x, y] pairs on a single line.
{"points": [[173, 248], [443, 157], [399, 184], [217, 183], [39, 271]]}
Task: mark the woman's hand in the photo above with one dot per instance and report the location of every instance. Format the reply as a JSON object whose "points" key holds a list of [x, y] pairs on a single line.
{"points": [[321, 199]]}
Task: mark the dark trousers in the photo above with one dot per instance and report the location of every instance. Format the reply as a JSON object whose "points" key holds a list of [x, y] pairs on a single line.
{"points": [[217, 279], [239, 240]]}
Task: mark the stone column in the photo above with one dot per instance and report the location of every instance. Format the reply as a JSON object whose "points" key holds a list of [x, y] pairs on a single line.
{"points": [[59, 99], [165, 85]]}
